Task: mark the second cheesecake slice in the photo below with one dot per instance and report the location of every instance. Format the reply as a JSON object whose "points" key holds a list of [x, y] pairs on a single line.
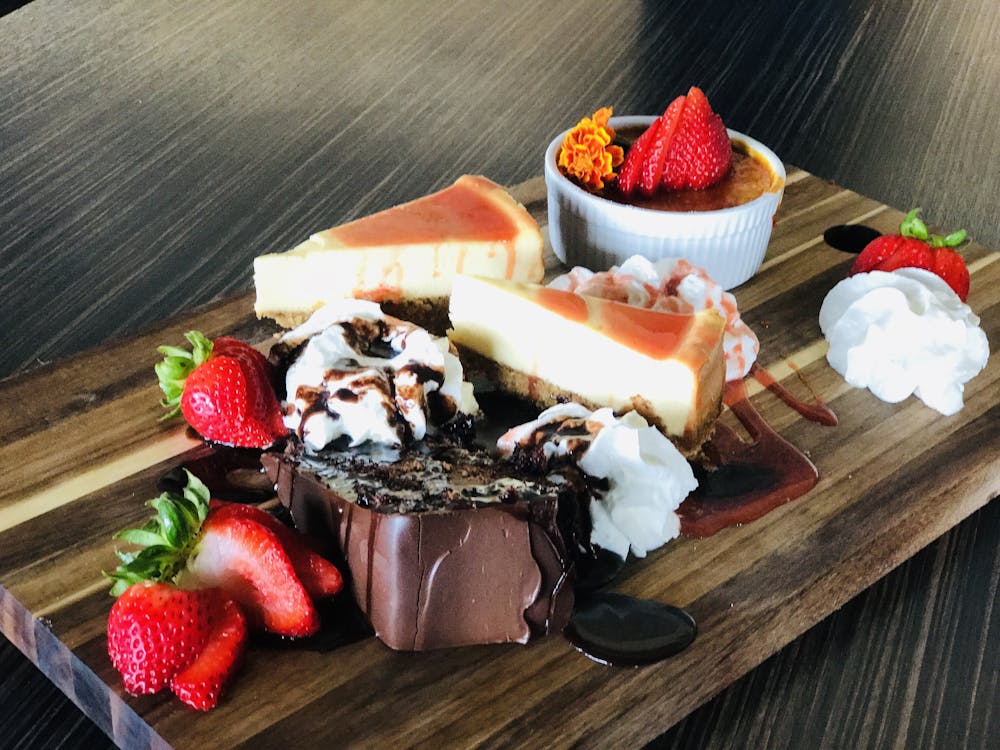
{"points": [[550, 345]]}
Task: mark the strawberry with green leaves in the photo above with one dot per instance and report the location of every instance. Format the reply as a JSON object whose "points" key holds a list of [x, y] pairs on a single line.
{"points": [[915, 247], [223, 388], [202, 573], [195, 542], [687, 147]]}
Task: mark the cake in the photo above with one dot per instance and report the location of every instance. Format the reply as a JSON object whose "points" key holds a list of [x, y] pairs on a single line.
{"points": [[404, 257], [552, 345], [443, 544]]}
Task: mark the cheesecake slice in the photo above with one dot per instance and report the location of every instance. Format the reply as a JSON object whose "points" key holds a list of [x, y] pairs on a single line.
{"points": [[405, 257], [550, 345]]}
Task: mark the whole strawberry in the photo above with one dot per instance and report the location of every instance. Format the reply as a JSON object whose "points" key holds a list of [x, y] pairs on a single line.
{"points": [[223, 389], [915, 247]]}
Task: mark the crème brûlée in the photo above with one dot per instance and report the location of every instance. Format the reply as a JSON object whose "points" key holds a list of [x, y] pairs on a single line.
{"points": [[405, 257], [550, 345]]}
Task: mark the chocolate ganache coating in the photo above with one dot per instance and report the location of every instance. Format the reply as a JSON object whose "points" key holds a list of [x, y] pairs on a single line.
{"points": [[444, 545]]}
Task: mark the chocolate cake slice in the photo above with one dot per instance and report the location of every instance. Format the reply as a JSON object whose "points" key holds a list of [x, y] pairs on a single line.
{"points": [[445, 545]]}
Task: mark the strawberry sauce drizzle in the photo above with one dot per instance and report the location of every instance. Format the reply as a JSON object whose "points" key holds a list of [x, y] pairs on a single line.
{"points": [[750, 479], [817, 411]]}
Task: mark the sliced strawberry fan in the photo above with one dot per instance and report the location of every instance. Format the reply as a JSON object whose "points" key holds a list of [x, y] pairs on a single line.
{"points": [[203, 573], [687, 147]]}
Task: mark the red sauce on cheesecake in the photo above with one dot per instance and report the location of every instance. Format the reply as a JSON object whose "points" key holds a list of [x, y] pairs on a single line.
{"points": [[570, 306], [653, 333], [463, 211], [749, 178]]}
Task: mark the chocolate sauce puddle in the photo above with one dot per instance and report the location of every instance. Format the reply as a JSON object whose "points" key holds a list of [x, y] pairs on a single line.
{"points": [[623, 631], [748, 479], [850, 238], [597, 569]]}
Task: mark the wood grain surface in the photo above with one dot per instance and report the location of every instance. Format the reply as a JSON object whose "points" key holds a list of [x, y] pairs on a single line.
{"points": [[150, 150], [752, 589]]}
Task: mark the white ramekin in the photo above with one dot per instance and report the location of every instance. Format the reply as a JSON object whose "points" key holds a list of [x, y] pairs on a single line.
{"points": [[587, 230]]}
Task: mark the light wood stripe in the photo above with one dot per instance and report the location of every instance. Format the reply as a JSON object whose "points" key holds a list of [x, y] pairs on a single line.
{"points": [[91, 480]]}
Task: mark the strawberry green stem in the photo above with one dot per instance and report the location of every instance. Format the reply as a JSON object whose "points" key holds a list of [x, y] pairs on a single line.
{"points": [[166, 539], [913, 226], [176, 365]]}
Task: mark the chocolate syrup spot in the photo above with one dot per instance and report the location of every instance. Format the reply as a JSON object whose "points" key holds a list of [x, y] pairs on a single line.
{"points": [[850, 238], [229, 473], [747, 479], [623, 631], [817, 411], [597, 569]]}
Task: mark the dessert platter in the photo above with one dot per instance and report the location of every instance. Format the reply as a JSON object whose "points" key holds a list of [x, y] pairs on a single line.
{"points": [[595, 445]]}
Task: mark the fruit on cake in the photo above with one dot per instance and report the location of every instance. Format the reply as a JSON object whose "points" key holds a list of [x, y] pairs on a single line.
{"points": [[405, 257], [551, 345]]}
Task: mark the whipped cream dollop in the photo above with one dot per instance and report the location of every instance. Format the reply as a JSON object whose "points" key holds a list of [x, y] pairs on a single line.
{"points": [[671, 285], [647, 477], [903, 332], [364, 376]]}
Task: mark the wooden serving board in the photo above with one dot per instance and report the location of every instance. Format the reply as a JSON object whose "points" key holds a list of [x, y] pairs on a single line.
{"points": [[80, 462]]}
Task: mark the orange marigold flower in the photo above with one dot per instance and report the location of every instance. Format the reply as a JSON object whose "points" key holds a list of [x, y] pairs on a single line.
{"points": [[587, 155]]}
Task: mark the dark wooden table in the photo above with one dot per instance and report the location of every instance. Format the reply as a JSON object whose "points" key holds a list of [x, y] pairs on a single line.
{"points": [[148, 151]]}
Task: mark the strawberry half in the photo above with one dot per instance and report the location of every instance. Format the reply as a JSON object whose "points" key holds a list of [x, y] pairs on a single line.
{"points": [[700, 153], [224, 390], [635, 159], [318, 575], [246, 559], [155, 630], [652, 171], [915, 247]]}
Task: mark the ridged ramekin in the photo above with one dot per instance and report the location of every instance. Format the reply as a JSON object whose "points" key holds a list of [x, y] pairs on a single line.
{"points": [[591, 231]]}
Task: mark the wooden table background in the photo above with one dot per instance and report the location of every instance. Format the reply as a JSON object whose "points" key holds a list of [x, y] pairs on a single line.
{"points": [[149, 150]]}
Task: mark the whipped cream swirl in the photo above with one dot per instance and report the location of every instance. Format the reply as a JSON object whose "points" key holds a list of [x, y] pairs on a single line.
{"points": [[670, 285], [361, 375], [902, 333], [647, 476]]}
